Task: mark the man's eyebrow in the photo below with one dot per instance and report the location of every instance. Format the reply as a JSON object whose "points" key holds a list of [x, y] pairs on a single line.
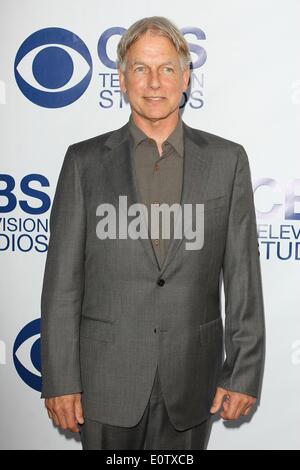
{"points": [[140, 62], [137, 62]]}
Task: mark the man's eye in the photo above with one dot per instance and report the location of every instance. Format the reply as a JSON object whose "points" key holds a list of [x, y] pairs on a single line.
{"points": [[139, 69], [168, 69]]}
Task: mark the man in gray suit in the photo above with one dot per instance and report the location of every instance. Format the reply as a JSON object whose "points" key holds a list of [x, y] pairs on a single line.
{"points": [[132, 334]]}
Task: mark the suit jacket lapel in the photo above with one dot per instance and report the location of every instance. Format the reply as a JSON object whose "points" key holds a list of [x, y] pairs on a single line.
{"points": [[195, 177], [121, 174]]}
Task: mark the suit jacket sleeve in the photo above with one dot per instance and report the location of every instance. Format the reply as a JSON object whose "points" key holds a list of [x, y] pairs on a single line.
{"points": [[63, 285], [244, 312]]}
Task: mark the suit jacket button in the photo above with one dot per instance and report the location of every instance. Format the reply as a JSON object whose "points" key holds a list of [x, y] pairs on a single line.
{"points": [[161, 282]]}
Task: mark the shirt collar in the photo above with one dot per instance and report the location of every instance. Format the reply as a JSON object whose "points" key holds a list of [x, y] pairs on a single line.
{"points": [[175, 138]]}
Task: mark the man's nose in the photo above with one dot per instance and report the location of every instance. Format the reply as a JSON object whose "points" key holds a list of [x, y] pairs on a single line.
{"points": [[154, 80]]}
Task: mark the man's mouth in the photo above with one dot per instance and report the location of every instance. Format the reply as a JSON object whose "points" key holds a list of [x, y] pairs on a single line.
{"points": [[154, 98]]}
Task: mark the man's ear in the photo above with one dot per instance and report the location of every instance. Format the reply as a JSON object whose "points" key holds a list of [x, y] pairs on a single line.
{"points": [[186, 77]]}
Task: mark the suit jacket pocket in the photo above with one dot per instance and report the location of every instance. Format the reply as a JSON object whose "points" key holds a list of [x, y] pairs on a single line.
{"points": [[215, 202], [96, 329], [211, 332]]}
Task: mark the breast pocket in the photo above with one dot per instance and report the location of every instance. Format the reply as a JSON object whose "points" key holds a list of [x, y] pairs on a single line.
{"points": [[211, 332], [215, 202], [97, 329]]}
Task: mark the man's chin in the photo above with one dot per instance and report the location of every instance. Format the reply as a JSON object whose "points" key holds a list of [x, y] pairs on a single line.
{"points": [[156, 115]]}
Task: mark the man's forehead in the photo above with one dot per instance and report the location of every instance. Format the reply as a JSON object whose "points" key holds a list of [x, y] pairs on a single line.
{"points": [[145, 46]]}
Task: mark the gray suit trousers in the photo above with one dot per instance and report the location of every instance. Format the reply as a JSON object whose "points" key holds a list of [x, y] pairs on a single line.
{"points": [[154, 431]]}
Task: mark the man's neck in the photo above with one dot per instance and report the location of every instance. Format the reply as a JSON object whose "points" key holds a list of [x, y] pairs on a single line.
{"points": [[157, 130]]}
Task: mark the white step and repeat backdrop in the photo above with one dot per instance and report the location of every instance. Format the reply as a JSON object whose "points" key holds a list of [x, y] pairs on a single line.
{"points": [[59, 85]]}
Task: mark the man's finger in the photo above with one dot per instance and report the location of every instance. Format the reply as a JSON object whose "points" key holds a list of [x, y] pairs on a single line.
{"points": [[230, 408], [61, 419], [55, 419], [246, 407], [239, 410], [218, 400], [71, 420], [79, 411], [234, 408], [247, 410]]}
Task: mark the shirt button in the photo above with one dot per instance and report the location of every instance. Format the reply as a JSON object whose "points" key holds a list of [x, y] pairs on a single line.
{"points": [[161, 282], [156, 242], [154, 330]]}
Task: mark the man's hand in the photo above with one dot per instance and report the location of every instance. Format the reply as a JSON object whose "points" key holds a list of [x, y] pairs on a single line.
{"points": [[234, 404], [65, 411]]}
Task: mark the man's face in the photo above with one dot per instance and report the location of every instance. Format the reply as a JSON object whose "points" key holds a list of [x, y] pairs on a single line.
{"points": [[153, 77]]}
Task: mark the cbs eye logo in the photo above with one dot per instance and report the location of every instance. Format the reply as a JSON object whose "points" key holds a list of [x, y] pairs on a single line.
{"points": [[27, 355], [53, 67]]}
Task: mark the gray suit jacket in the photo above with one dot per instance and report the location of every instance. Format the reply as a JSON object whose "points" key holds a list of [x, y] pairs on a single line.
{"points": [[107, 321]]}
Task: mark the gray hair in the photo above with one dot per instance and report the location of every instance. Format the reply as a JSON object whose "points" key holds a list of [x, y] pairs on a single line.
{"points": [[156, 25]]}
